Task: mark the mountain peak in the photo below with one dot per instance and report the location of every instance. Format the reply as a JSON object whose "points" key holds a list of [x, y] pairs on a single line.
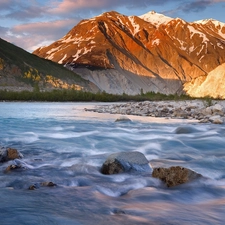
{"points": [[210, 21], [153, 52], [155, 18]]}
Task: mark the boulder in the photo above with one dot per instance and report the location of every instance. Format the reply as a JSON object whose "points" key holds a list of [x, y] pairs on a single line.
{"points": [[216, 119], [7, 154], [125, 162], [217, 109], [123, 119], [185, 130], [175, 175]]}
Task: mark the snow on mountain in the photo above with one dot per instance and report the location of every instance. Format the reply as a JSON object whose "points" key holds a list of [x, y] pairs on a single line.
{"points": [[155, 18], [126, 54]]}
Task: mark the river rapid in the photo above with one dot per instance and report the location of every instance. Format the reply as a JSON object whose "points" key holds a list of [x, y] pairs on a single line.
{"points": [[64, 144]]}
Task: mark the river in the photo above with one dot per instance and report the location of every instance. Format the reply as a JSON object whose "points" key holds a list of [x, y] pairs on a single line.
{"points": [[64, 144]]}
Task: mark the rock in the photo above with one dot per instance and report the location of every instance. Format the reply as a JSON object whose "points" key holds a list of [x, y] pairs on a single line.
{"points": [[216, 119], [217, 108], [207, 111], [12, 167], [175, 175], [185, 130], [13, 154], [204, 120], [32, 187], [123, 119], [42, 184], [48, 184], [7, 154], [125, 162]]}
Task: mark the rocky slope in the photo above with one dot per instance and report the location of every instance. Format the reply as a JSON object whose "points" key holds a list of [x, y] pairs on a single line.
{"points": [[20, 70], [132, 54], [211, 85]]}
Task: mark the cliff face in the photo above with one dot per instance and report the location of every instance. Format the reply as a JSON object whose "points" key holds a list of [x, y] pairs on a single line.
{"points": [[212, 85], [126, 54]]}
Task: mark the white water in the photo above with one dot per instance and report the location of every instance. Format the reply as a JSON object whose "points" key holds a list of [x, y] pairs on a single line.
{"points": [[66, 145]]}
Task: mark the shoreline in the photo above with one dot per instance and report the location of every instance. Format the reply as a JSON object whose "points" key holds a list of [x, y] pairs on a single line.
{"points": [[198, 110]]}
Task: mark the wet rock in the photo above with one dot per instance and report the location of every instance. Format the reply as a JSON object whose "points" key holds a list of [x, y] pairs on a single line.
{"points": [[7, 154], [185, 130], [42, 184], [204, 120], [175, 175], [48, 184], [125, 162], [32, 187], [13, 154], [123, 119], [118, 211], [12, 167]]}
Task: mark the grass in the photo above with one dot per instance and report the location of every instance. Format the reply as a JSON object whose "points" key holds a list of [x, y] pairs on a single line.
{"points": [[74, 95]]}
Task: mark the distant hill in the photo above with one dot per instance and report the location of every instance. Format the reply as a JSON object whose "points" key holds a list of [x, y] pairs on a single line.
{"points": [[20, 70], [131, 54]]}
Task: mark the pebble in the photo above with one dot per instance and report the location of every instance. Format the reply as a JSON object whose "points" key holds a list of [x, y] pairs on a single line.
{"points": [[189, 109]]}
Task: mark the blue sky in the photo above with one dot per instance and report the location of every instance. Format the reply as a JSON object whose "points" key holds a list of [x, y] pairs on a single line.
{"points": [[30, 24]]}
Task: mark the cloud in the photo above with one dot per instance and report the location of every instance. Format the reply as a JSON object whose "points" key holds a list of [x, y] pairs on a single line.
{"points": [[27, 12], [32, 30], [198, 6], [33, 35], [97, 6]]}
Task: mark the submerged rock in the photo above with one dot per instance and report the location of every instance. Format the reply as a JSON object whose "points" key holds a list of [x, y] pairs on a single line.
{"points": [[125, 162], [123, 119], [185, 130], [42, 184], [12, 167], [7, 154], [175, 175]]}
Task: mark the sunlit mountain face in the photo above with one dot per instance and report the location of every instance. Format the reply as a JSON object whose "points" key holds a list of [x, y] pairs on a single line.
{"points": [[151, 52]]}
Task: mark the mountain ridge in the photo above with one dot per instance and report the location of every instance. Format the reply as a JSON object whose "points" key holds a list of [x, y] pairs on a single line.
{"points": [[20, 70], [119, 53]]}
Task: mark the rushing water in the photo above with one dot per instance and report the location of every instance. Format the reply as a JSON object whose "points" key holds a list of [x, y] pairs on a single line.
{"points": [[64, 144]]}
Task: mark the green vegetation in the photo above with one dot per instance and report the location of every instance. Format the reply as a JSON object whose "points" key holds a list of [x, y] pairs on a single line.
{"points": [[208, 101], [31, 69], [74, 95]]}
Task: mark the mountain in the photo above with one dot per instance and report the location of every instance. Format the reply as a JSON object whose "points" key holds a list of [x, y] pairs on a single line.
{"points": [[211, 85], [20, 70], [131, 54]]}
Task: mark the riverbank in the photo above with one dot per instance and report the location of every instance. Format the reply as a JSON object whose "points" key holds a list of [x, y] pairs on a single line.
{"points": [[202, 111]]}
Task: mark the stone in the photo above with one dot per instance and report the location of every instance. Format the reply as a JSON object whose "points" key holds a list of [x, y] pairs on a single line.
{"points": [[32, 187], [207, 111], [12, 167], [125, 162], [216, 119], [123, 119], [42, 184], [175, 175], [217, 108], [48, 184], [185, 130], [13, 154], [7, 154]]}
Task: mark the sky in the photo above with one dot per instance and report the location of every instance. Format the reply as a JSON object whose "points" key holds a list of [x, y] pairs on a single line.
{"points": [[30, 24]]}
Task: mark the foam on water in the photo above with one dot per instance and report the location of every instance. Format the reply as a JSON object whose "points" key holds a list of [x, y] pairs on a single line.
{"points": [[63, 144]]}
